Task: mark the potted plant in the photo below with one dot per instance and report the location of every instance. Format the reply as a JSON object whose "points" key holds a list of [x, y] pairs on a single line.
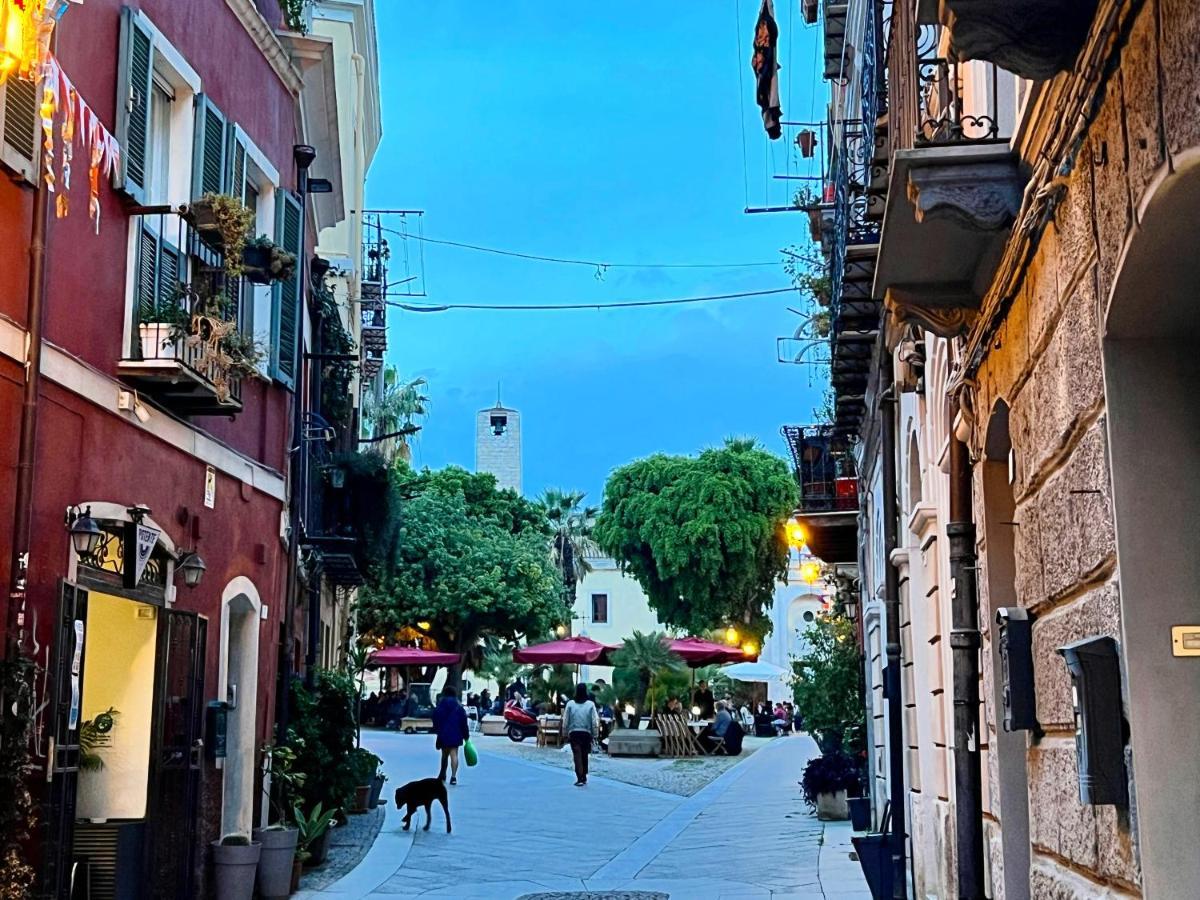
{"points": [[826, 781], [93, 736], [860, 812], [225, 354], [314, 831], [263, 261], [235, 862], [162, 324], [223, 221], [376, 789], [280, 838], [365, 766]]}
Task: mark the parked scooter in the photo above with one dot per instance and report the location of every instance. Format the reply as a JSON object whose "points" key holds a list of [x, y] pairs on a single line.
{"points": [[521, 722]]}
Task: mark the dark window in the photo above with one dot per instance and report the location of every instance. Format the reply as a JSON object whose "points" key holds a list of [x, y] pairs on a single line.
{"points": [[600, 608], [808, 615]]}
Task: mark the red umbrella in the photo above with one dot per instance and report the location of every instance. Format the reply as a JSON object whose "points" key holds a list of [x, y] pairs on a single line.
{"points": [[568, 651], [699, 652], [411, 656]]}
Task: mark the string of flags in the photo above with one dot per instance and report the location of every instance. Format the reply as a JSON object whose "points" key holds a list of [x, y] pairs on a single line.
{"points": [[26, 27]]}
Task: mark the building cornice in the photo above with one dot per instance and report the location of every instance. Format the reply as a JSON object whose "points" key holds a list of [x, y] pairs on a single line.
{"points": [[270, 45]]}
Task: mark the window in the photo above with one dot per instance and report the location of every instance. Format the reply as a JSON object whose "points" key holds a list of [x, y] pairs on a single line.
{"points": [[158, 174], [808, 615], [600, 609], [19, 126]]}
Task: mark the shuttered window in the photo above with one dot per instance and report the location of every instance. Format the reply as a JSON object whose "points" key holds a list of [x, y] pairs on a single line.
{"points": [[19, 126], [135, 68], [159, 274], [285, 313], [209, 153]]}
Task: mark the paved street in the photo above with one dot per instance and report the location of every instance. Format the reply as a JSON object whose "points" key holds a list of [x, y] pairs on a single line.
{"points": [[522, 828]]}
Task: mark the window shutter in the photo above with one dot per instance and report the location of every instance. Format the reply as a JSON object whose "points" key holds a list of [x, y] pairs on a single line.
{"points": [[235, 154], [133, 105], [209, 173], [19, 131], [146, 289], [285, 312], [170, 262]]}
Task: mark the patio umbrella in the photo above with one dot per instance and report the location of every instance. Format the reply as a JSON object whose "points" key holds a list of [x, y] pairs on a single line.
{"points": [[755, 671], [411, 656], [568, 651], [698, 652]]}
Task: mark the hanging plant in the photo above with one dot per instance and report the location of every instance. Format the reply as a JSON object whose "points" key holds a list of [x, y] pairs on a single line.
{"points": [[294, 14], [264, 261], [229, 221], [337, 375]]}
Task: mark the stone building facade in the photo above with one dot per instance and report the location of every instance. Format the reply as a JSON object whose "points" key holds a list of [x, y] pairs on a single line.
{"points": [[498, 445], [1020, 242]]}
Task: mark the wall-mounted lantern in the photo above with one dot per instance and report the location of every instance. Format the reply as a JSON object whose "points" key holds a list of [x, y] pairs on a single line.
{"points": [[85, 533], [193, 568], [1095, 668], [1016, 666]]}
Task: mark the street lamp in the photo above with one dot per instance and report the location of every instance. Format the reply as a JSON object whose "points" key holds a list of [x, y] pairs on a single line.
{"points": [[810, 571], [193, 569], [750, 648], [731, 635], [85, 533], [796, 534], [561, 631]]}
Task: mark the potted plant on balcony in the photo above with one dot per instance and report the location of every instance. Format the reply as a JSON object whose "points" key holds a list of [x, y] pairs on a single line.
{"points": [[225, 222], [280, 838], [235, 861], [264, 261], [224, 355]]}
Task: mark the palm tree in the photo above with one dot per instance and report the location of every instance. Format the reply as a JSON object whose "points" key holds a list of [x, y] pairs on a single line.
{"points": [[643, 656], [393, 412], [572, 543], [498, 665]]}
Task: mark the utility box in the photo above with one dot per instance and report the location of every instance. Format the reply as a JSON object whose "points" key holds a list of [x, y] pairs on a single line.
{"points": [[1095, 667], [1016, 666]]}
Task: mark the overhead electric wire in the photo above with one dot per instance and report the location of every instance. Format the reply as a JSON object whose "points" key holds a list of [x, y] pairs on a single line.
{"points": [[620, 304], [590, 263], [737, 14]]}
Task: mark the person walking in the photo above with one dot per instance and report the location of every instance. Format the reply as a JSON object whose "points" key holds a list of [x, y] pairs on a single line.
{"points": [[582, 722], [450, 726]]}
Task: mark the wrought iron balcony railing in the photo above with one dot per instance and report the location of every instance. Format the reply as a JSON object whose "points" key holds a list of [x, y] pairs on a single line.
{"points": [[186, 348], [824, 469]]}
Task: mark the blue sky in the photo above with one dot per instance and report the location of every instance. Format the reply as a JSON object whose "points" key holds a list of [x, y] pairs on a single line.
{"points": [[597, 131]]}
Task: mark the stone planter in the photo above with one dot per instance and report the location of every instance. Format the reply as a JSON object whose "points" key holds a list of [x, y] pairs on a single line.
{"points": [[362, 794], [275, 863], [235, 868], [156, 340], [376, 790], [832, 807]]}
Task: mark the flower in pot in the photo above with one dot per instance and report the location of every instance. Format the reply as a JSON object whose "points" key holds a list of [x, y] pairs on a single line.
{"points": [[365, 765], [279, 840], [314, 833], [225, 221], [162, 324], [826, 780], [235, 863]]}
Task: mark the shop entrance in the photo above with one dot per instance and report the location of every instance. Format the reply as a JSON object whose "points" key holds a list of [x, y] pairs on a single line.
{"points": [[125, 737]]}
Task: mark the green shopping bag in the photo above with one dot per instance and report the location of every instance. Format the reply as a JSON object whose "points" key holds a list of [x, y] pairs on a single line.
{"points": [[469, 753]]}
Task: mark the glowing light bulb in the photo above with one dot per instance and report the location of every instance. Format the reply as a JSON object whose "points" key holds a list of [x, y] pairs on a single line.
{"points": [[796, 534], [810, 572], [731, 635]]}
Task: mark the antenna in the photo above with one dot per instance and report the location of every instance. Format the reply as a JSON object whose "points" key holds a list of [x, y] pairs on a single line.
{"points": [[498, 403]]}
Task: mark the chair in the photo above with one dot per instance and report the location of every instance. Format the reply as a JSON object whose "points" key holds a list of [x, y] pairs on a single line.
{"points": [[731, 743], [549, 729], [473, 718]]}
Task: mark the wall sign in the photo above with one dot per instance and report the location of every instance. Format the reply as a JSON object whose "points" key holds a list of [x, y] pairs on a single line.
{"points": [[144, 540], [210, 487]]}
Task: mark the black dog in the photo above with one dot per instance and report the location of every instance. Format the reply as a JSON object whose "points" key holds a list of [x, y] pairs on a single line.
{"points": [[422, 793]]}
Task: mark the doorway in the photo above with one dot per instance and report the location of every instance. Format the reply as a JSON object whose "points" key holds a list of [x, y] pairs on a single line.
{"points": [[240, 619]]}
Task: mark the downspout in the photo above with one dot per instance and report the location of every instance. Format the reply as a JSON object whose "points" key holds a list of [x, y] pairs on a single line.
{"points": [[964, 648], [14, 645], [893, 681]]}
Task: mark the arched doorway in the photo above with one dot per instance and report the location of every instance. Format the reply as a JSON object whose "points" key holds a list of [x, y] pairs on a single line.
{"points": [[241, 611], [1009, 747], [1151, 369]]}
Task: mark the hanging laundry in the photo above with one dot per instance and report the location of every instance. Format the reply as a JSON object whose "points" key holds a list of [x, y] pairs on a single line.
{"points": [[766, 69]]}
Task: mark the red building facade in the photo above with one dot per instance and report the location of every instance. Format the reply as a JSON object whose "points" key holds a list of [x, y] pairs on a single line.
{"points": [[125, 437]]}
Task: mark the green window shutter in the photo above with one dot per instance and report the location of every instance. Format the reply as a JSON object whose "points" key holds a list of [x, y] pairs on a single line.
{"points": [[285, 297], [235, 156], [146, 289], [133, 105], [170, 264], [19, 129], [209, 173]]}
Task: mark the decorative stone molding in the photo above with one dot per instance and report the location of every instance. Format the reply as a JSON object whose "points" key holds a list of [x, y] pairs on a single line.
{"points": [[1032, 38], [945, 310], [979, 197], [268, 43]]}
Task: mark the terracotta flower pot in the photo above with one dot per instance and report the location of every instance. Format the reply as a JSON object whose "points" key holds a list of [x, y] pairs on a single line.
{"points": [[362, 794]]}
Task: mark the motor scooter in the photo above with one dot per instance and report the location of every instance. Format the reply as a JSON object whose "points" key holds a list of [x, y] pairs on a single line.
{"points": [[521, 722]]}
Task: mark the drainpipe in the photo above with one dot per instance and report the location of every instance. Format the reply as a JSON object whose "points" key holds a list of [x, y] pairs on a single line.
{"points": [[964, 648], [298, 472], [892, 678], [14, 645]]}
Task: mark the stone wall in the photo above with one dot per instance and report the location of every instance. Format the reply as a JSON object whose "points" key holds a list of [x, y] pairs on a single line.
{"points": [[1045, 363]]}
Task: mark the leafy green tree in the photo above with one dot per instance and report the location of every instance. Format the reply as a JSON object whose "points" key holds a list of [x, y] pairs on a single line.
{"points": [[395, 412], [571, 544], [703, 536], [469, 559], [828, 682], [641, 658]]}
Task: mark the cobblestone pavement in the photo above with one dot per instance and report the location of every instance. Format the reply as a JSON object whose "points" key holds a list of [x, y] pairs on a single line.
{"points": [[348, 844], [523, 828]]}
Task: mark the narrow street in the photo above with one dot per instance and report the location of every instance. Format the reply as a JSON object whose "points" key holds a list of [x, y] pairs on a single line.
{"points": [[521, 828]]}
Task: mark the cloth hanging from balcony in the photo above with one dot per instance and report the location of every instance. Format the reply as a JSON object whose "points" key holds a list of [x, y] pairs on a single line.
{"points": [[765, 64]]}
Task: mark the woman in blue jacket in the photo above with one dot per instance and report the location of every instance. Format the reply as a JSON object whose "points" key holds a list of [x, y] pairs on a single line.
{"points": [[450, 726]]}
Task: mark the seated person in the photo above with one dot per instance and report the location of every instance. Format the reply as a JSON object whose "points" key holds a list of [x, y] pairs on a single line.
{"points": [[674, 707], [712, 734]]}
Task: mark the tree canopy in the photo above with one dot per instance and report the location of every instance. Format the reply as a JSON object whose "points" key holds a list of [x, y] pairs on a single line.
{"points": [[702, 535], [828, 682], [468, 559]]}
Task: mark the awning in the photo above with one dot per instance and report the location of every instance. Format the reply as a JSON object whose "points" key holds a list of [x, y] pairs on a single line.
{"points": [[411, 656]]}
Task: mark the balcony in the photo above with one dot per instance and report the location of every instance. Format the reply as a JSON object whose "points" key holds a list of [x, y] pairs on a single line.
{"points": [[828, 477], [185, 348], [954, 184], [1034, 39], [328, 533]]}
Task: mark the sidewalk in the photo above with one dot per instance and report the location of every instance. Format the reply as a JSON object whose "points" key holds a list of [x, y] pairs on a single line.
{"points": [[521, 828]]}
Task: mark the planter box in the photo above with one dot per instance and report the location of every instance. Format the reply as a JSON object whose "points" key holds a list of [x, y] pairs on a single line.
{"points": [[156, 340], [256, 264], [628, 742], [860, 813], [235, 869], [276, 862], [832, 807], [376, 790], [362, 794]]}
